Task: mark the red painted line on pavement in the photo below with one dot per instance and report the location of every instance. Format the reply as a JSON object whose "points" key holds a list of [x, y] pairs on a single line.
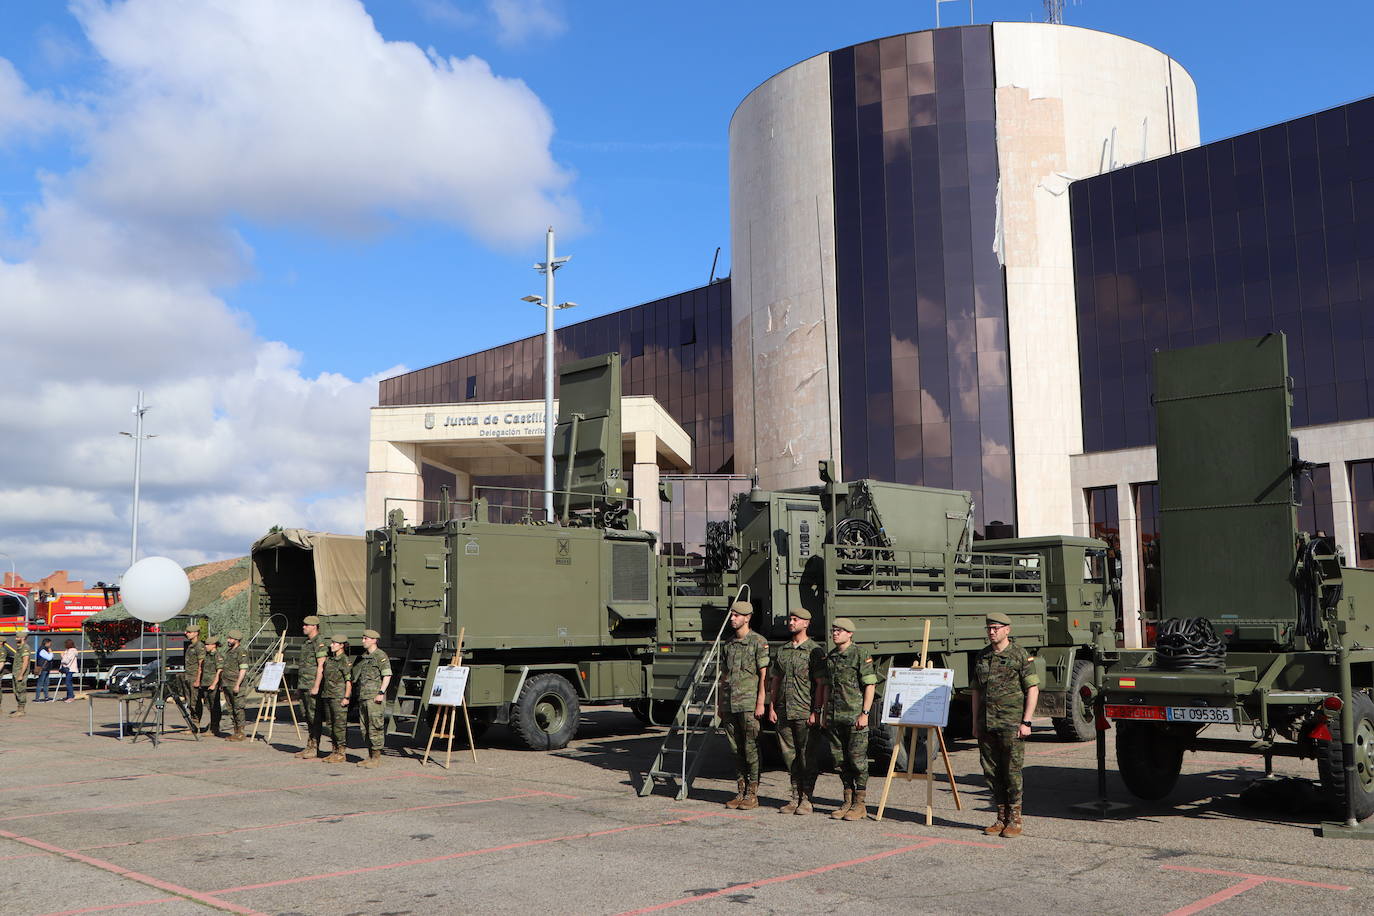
{"points": [[186, 798], [1211, 900], [457, 855], [113, 906], [26, 855], [1247, 882], [321, 818], [810, 872], [937, 839], [1242, 874], [133, 776], [167, 886]]}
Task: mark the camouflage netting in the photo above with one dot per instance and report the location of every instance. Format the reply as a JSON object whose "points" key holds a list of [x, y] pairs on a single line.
{"points": [[219, 597]]}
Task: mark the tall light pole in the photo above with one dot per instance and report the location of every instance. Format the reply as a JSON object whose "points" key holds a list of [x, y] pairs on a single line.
{"points": [[548, 267], [137, 435]]}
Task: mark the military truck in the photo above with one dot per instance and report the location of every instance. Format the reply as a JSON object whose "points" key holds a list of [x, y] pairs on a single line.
{"points": [[1269, 634], [892, 557]]}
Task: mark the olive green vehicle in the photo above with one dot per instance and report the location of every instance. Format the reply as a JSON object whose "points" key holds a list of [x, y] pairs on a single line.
{"points": [[1270, 638]]}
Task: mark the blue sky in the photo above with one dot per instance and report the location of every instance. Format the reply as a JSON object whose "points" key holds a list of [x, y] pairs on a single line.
{"points": [[272, 285]]}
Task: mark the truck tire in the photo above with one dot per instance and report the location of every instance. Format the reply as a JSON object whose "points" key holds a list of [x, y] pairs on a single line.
{"points": [[884, 741], [1331, 761], [545, 715], [1078, 724], [1149, 758]]}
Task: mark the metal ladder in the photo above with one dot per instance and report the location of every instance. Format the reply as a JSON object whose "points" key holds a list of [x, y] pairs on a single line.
{"points": [[407, 710], [683, 749]]}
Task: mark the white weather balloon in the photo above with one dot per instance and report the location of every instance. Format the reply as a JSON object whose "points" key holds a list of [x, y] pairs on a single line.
{"points": [[155, 589]]}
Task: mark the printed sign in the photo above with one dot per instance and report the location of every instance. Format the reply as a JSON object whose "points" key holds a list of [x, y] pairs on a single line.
{"points": [[449, 684], [270, 682], [918, 696]]}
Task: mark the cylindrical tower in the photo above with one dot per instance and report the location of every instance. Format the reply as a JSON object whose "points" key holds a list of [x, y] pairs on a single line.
{"points": [[903, 272]]}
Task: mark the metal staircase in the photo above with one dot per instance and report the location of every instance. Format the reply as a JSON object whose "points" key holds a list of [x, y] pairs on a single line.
{"points": [[683, 749]]}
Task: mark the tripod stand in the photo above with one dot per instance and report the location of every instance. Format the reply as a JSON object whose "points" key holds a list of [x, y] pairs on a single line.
{"points": [[156, 702]]}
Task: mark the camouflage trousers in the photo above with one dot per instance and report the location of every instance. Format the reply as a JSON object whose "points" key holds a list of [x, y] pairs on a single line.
{"points": [[742, 731], [372, 718], [312, 708], [337, 714], [201, 698], [20, 688], [849, 747], [233, 704], [800, 746], [1002, 752]]}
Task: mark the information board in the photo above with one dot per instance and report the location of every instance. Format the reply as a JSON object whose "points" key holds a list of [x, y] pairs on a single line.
{"points": [[918, 696], [449, 683], [270, 682]]}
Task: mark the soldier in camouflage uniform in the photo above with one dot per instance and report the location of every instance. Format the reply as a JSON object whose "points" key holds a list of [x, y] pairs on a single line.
{"points": [[848, 683], [1004, 690], [209, 673], [741, 691], [190, 686], [309, 666], [371, 677], [791, 689], [19, 671], [336, 686], [229, 675]]}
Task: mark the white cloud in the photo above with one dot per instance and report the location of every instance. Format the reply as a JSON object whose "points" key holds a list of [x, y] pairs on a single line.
{"points": [[518, 21], [208, 114]]}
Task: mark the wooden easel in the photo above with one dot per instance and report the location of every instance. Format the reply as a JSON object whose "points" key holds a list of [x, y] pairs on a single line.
{"points": [[445, 721], [909, 734], [267, 709]]}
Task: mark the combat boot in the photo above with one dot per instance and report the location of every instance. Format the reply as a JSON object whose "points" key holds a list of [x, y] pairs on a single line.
{"points": [[337, 757], [996, 828], [804, 805], [1013, 828], [373, 759], [858, 810], [738, 800], [238, 734], [310, 751], [19, 713], [751, 797], [840, 812], [793, 800]]}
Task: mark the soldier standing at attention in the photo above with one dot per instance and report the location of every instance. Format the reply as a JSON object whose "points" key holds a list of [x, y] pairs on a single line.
{"points": [[229, 675], [335, 686], [1004, 690], [371, 676], [741, 692], [193, 658], [848, 686], [19, 671], [309, 668], [209, 674], [791, 691]]}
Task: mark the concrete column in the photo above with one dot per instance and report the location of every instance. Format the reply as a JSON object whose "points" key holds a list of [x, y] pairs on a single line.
{"points": [[1343, 511], [395, 474], [646, 483], [1130, 563]]}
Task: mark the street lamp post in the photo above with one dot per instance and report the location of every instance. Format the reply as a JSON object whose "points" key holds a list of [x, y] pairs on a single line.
{"points": [[137, 435], [548, 267]]}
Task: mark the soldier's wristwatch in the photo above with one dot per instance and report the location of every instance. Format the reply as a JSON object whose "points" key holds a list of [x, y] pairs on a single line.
{"points": [[1026, 722]]}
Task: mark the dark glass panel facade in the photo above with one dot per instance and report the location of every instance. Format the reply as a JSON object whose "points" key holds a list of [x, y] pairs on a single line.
{"points": [[676, 350], [921, 297], [1317, 515], [696, 501], [1268, 231], [1362, 498], [1147, 515]]}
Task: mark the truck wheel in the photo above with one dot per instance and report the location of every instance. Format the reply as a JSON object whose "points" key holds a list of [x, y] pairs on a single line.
{"points": [[546, 713], [886, 740], [1149, 759], [1078, 724], [1331, 762]]}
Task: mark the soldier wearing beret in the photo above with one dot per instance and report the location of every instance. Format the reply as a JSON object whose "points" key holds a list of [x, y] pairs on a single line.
{"points": [[848, 684], [209, 674], [229, 675], [741, 690], [309, 669], [336, 686], [191, 686], [1004, 691], [371, 677], [19, 671], [793, 673]]}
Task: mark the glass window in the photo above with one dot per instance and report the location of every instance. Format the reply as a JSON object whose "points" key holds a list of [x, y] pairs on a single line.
{"points": [[1147, 519]]}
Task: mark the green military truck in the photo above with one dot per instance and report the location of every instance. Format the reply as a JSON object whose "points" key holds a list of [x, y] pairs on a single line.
{"points": [[1270, 637]]}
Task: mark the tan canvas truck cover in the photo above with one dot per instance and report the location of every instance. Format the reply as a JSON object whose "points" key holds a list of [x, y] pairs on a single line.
{"points": [[339, 562]]}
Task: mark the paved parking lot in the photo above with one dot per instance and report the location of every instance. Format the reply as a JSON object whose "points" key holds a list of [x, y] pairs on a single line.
{"points": [[92, 824]]}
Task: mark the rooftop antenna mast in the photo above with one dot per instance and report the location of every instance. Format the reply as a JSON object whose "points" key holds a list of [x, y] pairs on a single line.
{"points": [[1054, 11], [937, 10]]}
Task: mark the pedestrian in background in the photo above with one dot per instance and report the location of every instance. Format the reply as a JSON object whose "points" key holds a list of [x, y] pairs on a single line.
{"points": [[70, 666], [1004, 692], [45, 663], [848, 686], [795, 668], [742, 692]]}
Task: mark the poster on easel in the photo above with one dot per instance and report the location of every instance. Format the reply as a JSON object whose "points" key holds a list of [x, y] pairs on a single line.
{"points": [[918, 696], [270, 681], [450, 682]]}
